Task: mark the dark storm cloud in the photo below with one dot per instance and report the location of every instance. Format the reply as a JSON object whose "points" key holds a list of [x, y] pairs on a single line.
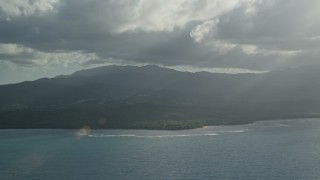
{"points": [[279, 25], [112, 29], [255, 34]]}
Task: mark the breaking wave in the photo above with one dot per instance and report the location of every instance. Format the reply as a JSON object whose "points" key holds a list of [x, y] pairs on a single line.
{"points": [[229, 131], [149, 136]]}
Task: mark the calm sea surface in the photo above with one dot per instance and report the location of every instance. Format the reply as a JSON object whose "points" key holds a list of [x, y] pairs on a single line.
{"points": [[285, 150]]}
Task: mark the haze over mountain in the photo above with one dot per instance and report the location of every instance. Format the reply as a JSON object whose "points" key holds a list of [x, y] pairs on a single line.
{"points": [[160, 98]]}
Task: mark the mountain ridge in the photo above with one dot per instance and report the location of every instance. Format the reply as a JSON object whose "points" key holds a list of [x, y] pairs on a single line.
{"points": [[158, 98]]}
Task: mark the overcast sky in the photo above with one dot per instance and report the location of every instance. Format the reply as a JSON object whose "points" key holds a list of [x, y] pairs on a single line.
{"points": [[44, 38]]}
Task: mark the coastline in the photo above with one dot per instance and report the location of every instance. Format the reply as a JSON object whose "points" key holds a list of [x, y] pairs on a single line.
{"points": [[161, 128]]}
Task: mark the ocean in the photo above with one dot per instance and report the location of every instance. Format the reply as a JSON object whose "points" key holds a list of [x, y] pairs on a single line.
{"points": [[282, 149]]}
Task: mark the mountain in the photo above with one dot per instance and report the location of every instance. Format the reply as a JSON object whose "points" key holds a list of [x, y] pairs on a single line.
{"points": [[158, 98]]}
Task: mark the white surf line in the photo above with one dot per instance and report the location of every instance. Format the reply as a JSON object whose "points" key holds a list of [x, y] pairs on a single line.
{"points": [[281, 125], [151, 136], [228, 131], [275, 125]]}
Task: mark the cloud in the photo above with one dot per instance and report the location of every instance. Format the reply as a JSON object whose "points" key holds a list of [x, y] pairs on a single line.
{"points": [[13, 8], [246, 34], [23, 56], [159, 16], [277, 30], [274, 25]]}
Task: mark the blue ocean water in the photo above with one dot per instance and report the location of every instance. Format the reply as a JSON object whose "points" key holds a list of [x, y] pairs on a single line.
{"points": [[284, 149]]}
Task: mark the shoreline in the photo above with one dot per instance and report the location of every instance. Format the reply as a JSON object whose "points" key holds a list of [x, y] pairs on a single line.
{"points": [[161, 129]]}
